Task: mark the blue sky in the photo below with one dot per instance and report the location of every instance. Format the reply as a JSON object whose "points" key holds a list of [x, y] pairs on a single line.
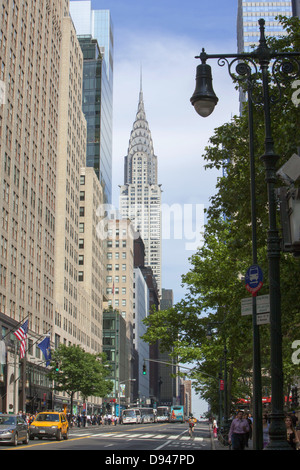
{"points": [[164, 36]]}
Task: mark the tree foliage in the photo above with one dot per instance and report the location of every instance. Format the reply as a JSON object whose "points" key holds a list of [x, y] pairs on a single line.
{"points": [[214, 282], [74, 370]]}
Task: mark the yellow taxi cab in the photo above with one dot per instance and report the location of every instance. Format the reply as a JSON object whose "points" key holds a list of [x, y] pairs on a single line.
{"points": [[49, 424]]}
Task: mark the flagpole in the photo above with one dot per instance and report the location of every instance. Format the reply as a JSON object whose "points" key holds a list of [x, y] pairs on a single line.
{"points": [[16, 326], [39, 338], [15, 376]]}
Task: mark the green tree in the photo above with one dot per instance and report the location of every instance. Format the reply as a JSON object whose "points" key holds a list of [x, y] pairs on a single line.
{"points": [[74, 370], [214, 283]]}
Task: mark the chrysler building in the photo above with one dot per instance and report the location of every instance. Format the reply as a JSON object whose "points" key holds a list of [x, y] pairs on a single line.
{"points": [[140, 196]]}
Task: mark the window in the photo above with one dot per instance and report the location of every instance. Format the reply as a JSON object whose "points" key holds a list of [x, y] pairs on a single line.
{"points": [[80, 276]]}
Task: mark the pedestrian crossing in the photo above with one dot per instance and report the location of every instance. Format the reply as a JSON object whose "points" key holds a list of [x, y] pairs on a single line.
{"points": [[152, 436]]}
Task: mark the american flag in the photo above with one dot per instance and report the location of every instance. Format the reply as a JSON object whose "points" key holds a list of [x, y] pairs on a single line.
{"points": [[21, 334]]}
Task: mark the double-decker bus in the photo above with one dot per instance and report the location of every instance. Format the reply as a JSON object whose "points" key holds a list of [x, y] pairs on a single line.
{"points": [[163, 414], [177, 414]]}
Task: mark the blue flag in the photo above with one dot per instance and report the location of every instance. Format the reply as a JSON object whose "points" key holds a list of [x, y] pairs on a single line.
{"points": [[46, 350]]}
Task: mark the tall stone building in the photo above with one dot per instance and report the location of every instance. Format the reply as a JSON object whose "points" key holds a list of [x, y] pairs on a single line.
{"points": [[140, 196], [31, 46], [30, 49], [42, 152], [119, 287], [71, 148], [91, 273]]}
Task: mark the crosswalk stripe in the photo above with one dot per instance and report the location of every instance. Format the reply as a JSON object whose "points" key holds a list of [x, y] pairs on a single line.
{"points": [[115, 435]]}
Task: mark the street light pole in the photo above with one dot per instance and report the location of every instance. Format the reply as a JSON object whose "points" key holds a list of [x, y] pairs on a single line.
{"points": [[209, 334], [285, 67]]}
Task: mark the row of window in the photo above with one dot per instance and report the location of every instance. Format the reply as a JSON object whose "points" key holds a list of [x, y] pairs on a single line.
{"points": [[109, 267]]}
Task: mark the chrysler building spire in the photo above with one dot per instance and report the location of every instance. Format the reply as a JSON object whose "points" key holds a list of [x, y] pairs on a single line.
{"points": [[140, 196]]}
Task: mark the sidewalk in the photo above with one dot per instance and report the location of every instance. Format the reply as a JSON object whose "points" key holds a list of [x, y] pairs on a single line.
{"points": [[216, 444]]}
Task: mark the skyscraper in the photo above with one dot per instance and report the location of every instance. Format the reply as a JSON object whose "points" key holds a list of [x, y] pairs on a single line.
{"points": [[140, 196], [96, 26], [296, 7], [30, 50], [250, 12]]}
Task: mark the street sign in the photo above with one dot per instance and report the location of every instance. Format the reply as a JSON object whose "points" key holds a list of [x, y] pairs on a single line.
{"points": [[263, 304], [263, 319], [254, 279], [246, 306]]}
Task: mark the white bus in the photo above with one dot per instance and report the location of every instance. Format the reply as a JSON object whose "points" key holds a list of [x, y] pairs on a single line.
{"points": [[131, 416], [147, 415], [163, 414]]}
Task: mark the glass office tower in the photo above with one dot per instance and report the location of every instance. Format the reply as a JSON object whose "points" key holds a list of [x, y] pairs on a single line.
{"points": [[247, 21], [97, 25]]}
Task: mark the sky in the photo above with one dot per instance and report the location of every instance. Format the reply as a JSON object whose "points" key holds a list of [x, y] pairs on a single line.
{"points": [[162, 37]]}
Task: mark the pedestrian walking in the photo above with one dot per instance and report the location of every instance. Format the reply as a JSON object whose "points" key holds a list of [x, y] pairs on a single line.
{"points": [[266, 425], [215, 428], [249, 433], [238, 431], [291, 434]]}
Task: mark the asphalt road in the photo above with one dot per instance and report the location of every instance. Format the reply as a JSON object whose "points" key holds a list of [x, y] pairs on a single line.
{"points": [[143, 441]]}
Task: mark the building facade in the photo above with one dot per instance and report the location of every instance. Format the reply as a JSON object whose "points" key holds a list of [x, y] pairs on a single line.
{"points": [[97, 26], [140, 312], [169, 383], [91, 273], [119, 284], [42, 154], [71, 147], [140, 196], [115, 347], [250, 12]]}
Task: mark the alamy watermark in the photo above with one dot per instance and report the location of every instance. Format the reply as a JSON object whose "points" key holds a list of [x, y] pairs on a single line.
{"points": [[166, 222], [296, 354], [296, 94]]}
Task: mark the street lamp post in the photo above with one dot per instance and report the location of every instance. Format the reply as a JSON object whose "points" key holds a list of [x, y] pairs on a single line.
{"points": [[284, 67], [209, 334]]}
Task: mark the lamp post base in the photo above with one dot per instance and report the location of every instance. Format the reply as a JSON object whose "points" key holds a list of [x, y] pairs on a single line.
{"points": [[278, 433]]}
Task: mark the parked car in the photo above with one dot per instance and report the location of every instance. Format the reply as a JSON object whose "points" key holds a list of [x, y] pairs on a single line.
{"points": [[49, 424], [13, 429]]}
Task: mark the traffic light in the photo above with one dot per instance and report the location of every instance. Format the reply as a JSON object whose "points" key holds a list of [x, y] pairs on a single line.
{"points": [[57, 367], [144, 369]]}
